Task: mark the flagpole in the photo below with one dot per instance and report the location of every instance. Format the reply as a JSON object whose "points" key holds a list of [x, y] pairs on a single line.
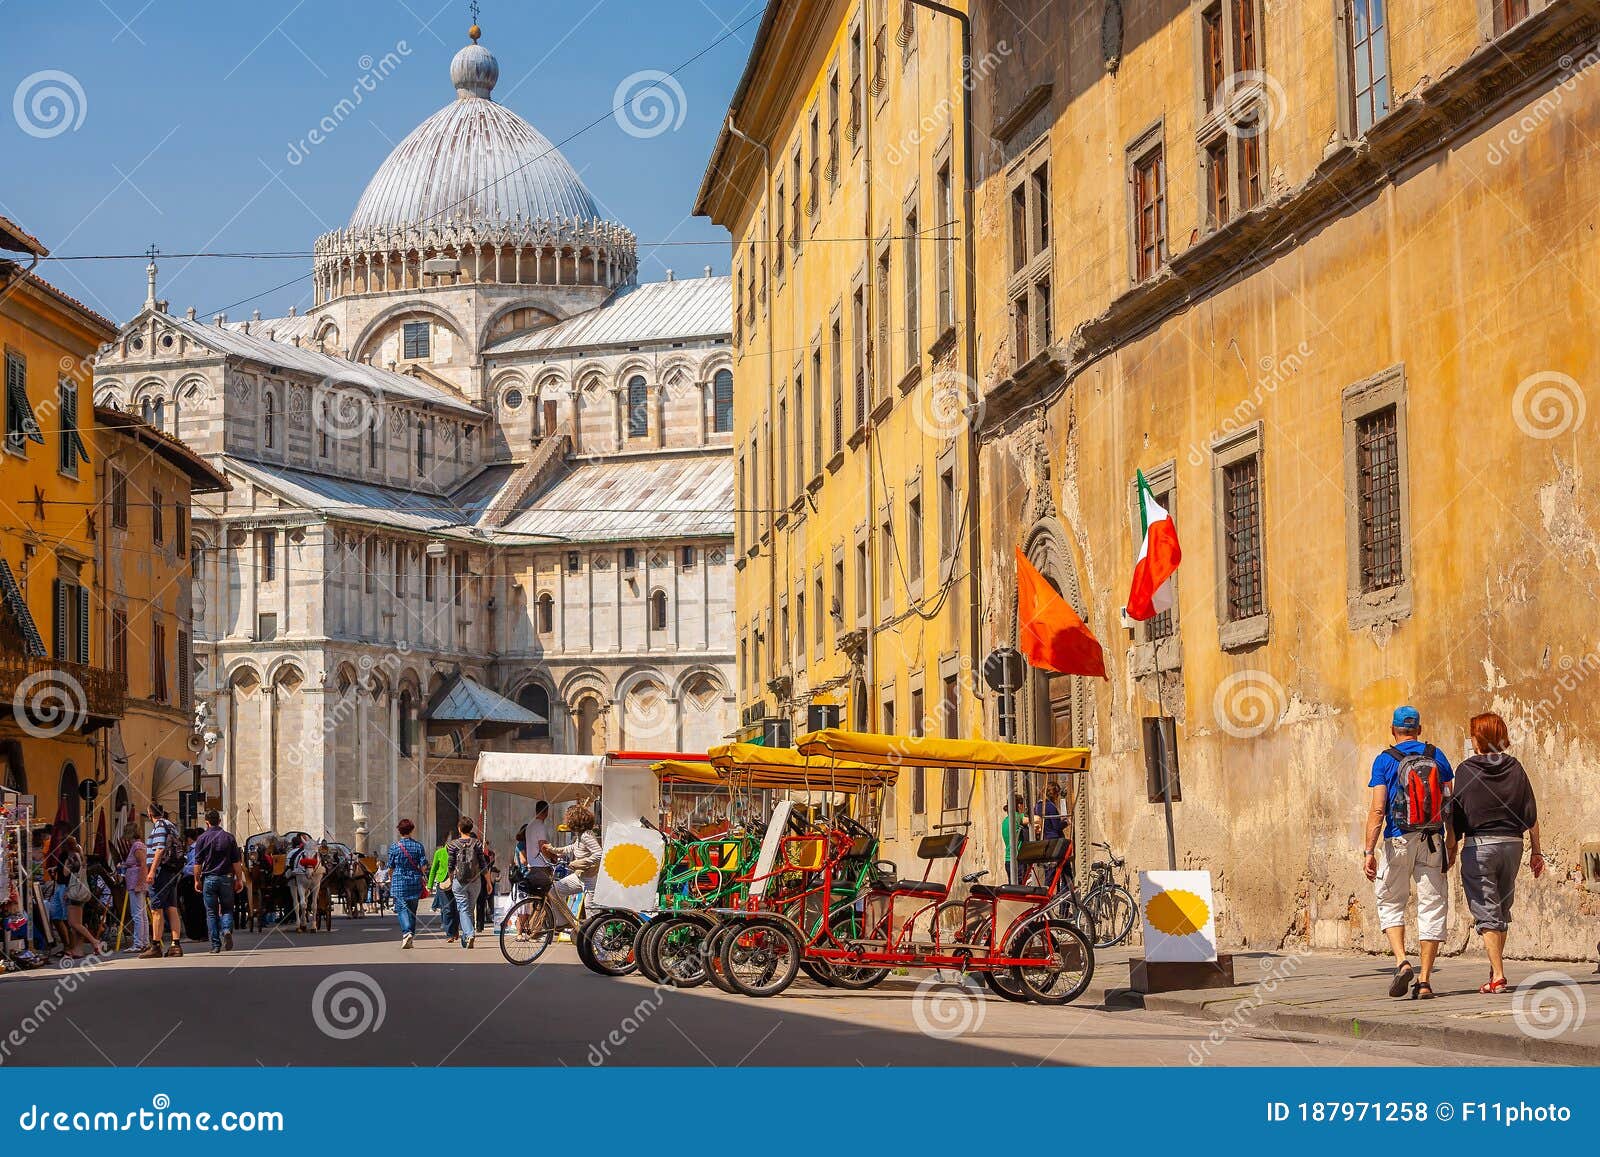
{"points": [[1166, 777]]}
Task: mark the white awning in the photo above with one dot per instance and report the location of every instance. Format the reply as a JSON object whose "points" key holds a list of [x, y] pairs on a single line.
{"points": [[548, 777]]}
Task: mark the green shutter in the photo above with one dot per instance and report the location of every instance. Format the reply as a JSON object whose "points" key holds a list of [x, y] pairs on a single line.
{"points": [[20, 422], [59, 622], [83, 625]]}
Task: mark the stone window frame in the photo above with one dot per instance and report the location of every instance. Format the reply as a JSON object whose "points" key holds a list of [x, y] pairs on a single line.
{"points": [[819, 590], [1151, 140], [801, 650], [840, 570], [946, 258], [949, 545], [888, 548], [916, 560], [861, 547], [950, 670], [1245, 443], [1489, 24], [917, 683], [1392, 603], [912, 274], [1344, 82], [1036, 276], [1153, 656]]}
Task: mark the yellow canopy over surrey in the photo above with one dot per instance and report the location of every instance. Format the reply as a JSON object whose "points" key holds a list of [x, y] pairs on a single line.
{"points": [[680, 771], [932, 751], [783, 768]]}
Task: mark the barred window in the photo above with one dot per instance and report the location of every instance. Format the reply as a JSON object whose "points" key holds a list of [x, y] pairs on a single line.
{"points": [[415, 338], [638, 411], [1241, 488], [722, 392], [1378, 479]]}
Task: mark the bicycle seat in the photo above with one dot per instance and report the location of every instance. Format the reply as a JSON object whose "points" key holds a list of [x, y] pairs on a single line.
{"points": [[972, 877]]}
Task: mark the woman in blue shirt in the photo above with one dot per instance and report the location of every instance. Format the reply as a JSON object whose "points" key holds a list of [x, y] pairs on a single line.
{"points": [[407, 860]]}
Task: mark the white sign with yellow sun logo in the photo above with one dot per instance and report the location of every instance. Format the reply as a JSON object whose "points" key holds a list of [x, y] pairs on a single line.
{"points": [[630, 867], [1179, 917]]}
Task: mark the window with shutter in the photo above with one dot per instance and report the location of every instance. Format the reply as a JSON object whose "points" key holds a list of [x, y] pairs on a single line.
{"points": [[158, 649], [185, 672], [83, 625], [59, 621], [21, 426]]}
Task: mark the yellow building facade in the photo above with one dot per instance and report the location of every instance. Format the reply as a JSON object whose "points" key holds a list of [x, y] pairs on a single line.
{"points": [[146, 479], [56, 689], [839, 175], [1323, 272]]}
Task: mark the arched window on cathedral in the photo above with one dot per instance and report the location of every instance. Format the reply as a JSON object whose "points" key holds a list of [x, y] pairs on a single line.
{"points": [[638, 409], [322, 428], [403, 740], [269, 421], [536, 699], [658, 611], [722, 401], [547, 614]]}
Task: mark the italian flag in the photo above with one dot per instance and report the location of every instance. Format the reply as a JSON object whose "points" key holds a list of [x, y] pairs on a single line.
{"points": [[1159, 556]]}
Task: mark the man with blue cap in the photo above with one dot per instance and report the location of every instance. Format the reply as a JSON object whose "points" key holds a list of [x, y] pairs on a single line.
{"points": [[1405, 844]]}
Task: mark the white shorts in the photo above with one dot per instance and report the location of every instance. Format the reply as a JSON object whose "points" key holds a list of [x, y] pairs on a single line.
{"points": [[1403, 860]]}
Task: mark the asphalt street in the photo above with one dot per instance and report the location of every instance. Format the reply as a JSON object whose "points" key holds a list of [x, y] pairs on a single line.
{"points": [[355, 998]]}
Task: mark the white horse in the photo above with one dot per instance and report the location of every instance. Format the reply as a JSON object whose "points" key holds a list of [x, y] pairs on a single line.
{"points": [[305, 883]]}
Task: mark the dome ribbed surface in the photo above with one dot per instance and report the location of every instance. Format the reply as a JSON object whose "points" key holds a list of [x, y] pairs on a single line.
{"points": [[477, 161]]}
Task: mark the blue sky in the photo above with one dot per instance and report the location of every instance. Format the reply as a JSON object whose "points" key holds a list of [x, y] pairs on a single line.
{"points": [[179, 119]]}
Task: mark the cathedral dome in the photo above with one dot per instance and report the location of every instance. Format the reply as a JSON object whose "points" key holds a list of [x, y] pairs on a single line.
{"points": [[473, 161]]}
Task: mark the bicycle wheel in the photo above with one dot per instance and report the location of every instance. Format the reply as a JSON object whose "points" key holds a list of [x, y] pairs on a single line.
{"points": [[644, 950], [527, 931], [680, 951], [606, 943], [715, 972], [1111, 912], [761, 959], [1066, 961], [846, 928]]}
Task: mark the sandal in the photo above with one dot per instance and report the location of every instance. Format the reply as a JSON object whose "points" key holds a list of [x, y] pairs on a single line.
{"points": [[1402, 979], [1494, 985], [1422, 990]]}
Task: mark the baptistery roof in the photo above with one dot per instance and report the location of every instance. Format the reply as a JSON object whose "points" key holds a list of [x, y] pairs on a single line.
{"points": [[473, 161]]}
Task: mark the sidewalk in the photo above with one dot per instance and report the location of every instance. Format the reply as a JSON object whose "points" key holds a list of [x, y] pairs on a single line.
{"points": [[1551, 1013]]}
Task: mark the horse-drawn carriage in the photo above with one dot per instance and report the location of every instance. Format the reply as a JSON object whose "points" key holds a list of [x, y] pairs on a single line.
{"points": [[294, 875]]}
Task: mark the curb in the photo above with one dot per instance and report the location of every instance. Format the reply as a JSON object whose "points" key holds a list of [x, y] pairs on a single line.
{"points": [[1449, 1036]]}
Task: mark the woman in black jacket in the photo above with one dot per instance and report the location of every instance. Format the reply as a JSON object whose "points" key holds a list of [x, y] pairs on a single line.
{"points": [[1491, 807]]}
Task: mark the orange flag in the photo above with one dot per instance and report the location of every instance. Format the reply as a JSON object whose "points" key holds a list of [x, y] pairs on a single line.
{"points": [[1053, 637]]}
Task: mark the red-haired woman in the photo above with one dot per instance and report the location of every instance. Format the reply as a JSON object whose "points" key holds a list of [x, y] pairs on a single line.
{"points": [[1491, 808]]}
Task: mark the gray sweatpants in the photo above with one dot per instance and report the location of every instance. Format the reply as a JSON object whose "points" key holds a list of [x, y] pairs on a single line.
{"points": [[1489, 876]]}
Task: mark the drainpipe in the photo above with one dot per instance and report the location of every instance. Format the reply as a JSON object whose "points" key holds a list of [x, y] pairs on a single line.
{"points": [[772, 392], [970, 230]]}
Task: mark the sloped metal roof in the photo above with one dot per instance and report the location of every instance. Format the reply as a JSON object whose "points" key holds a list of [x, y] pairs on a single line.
{"points": [[465, 700], [283, 329], [362, 501], [700, 307], [227, 340], [634, 498]]}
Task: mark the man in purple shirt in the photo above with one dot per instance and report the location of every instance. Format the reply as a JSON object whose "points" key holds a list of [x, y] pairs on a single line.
{"points": [[218, 874]]}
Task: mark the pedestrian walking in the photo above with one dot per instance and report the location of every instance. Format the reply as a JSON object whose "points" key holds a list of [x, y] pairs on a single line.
{"points": [[1047, 819], [1491, 809], [406, 875], [439, 884], [137, 884], [1405, 846], [466, 877], [491, 880], [164, 847], [77, 893], [218, 878]]}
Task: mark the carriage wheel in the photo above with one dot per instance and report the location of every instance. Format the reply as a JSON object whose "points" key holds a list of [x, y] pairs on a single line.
{"points": [[761, 959], [527, 931], [606, 943], [846, 927], [1066, 961]]}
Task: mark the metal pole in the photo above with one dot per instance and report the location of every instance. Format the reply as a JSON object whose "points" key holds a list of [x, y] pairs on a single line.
{"points": [[1166, 778]]}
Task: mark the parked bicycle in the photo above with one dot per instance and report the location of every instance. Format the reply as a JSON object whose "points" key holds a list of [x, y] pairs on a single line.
{"points": [[1106, 906]]}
